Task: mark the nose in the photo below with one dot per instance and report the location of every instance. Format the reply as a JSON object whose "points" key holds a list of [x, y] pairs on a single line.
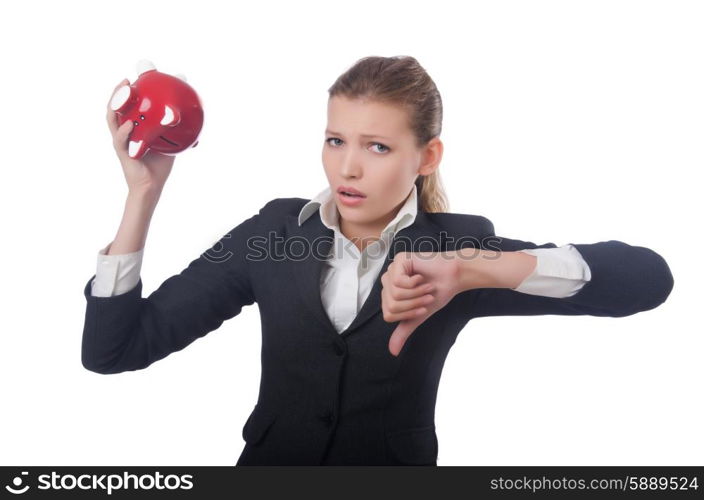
{"points": [[351, 167]]}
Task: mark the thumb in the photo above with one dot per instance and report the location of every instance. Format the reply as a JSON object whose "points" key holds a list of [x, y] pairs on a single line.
{"points": [[122, 135], [399, 336]]}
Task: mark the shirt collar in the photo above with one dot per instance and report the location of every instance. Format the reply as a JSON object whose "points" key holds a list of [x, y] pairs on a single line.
{"points": [[329, 214]]}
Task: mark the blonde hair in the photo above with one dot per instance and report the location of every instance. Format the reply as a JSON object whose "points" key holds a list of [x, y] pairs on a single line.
{"points": [[402, 81]]}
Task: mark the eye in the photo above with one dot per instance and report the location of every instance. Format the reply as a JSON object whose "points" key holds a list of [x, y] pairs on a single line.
{"points": [[385, 148], [379, 144], [141, 117]]}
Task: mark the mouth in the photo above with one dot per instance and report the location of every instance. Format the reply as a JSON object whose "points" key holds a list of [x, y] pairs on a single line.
{"points": [[170, 142], [350, 192], [350, 200]]}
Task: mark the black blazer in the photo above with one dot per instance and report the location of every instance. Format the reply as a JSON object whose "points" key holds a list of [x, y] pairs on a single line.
{"points": [[341, 399]]}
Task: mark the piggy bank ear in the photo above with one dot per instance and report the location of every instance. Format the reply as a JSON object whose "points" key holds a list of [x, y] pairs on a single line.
{"points": [[171, 117], [144, 65], [120, 97]]}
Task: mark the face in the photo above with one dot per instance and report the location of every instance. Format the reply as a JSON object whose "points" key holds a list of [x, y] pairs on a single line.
{"points": [[369, 146]]}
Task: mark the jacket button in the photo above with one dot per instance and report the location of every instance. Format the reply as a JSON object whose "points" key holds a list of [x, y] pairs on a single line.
{"points": [[339, 350]]}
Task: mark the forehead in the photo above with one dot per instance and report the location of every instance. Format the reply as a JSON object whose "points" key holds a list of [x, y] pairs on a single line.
{"points": [[364, 116]]}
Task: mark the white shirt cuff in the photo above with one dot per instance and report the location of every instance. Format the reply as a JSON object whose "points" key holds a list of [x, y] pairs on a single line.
{"points": [[560, 272], [116, 274]]}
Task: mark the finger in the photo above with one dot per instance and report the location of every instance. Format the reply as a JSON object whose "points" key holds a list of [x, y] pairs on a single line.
{"points": [[401, 306], [406, 315], [122, 135], [404, 281], [410, 293], [124, 130], [112, 121], [392, 312], [122, 82], [401, 334]]}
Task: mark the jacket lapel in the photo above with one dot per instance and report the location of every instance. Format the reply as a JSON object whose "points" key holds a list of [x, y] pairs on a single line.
{"points": [[307, 269], [423, 235]]}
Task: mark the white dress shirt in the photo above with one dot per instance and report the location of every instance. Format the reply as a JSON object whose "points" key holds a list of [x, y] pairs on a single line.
{"points": [[348, 274]]}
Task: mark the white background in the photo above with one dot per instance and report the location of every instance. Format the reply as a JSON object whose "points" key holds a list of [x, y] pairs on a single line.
{"points": [[565, 122]]}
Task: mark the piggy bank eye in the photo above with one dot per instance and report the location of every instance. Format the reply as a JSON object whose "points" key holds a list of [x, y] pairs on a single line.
{"points": [[141, 117]]}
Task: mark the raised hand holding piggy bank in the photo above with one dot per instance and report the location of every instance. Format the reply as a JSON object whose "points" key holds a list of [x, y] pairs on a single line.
{"points": [[166, 112]]}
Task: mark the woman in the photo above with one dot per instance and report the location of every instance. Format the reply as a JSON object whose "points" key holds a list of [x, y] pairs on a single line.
{"points": [[376, 281]]}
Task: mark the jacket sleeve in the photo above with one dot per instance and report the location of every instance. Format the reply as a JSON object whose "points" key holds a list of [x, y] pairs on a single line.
{"points": [[625, 279], [128, 332]]}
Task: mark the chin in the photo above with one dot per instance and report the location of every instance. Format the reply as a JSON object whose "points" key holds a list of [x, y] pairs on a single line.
{"points": [[351, 214]]}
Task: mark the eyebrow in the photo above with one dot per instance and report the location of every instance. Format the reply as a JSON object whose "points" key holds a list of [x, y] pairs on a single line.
{"points": [[361, 135]]}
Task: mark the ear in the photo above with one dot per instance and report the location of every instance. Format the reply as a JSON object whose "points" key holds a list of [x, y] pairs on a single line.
{"points": [[144, 65], [432, 154]]}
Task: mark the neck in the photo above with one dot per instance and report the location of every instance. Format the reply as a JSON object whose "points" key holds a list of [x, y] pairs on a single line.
{"points": [[363, 234]]}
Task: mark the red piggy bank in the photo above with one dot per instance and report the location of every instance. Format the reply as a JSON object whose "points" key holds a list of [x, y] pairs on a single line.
{"points": [[166, 111]]}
